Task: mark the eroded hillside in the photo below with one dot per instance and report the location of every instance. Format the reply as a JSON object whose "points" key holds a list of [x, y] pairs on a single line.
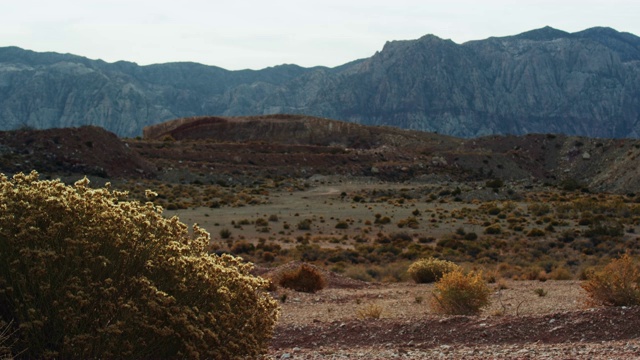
{"points": [[249, 149]]}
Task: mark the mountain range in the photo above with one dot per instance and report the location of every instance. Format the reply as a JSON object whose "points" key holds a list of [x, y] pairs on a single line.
{"points": [[543, 81]]}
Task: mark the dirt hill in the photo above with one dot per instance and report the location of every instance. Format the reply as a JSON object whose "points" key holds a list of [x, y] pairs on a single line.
{"points": [[87, 150], [246, 149]]}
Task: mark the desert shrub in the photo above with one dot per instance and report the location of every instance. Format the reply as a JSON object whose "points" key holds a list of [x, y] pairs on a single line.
{"points": [[539, 209], [540, 292], [470, 236], [304, 278], [493, 229], [457, 293], [560, 273], [84, 274], [242, 247], [225, 234], [410, 222], [268, 256], [401, 238], [494, 183], [382, 220], [371, 311], [342, 225], [617, 284], [430, 270], [570, 184], [535, 232], [598, 230], [304, 224]]}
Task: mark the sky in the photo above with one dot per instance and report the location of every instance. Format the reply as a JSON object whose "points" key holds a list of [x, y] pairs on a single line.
{"points": [[252, 34]]}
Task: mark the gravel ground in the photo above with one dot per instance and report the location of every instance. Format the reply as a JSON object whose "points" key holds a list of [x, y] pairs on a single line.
{"points": [[518, 325]]}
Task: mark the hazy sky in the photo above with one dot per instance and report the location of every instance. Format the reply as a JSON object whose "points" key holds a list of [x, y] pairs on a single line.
{"points": [[239, 34]]}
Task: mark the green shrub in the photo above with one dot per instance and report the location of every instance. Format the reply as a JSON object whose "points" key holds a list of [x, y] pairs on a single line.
{"points": [[84, 274], [457, 293], [304, 278], [617, 284], [430, 270]]}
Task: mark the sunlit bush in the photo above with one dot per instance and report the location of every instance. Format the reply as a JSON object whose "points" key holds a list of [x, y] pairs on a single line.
{"points": [[84, 274], [617, 284], [430, 270], [457, 293], [304, 278]]}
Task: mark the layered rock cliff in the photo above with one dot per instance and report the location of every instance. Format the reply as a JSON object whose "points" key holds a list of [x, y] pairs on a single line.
{"points": [[546, 80]]}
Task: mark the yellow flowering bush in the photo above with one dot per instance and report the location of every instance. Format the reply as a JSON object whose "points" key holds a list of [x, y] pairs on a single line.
{"points": [[430, 269], [457, 293], [617, 284], [85, 274]]}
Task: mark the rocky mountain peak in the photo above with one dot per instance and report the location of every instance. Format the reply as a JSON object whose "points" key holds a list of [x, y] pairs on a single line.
{"points": [[543, 34], [544, 80]]}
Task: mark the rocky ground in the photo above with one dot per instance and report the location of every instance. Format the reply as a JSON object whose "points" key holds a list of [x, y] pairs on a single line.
{"points": [[332, 324]]}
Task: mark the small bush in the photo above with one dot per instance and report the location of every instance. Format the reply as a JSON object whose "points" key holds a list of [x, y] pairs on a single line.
{"points": [[84, 274], [560, 273], [304, 278], [458, 293], [430, 270], [342, 225], [225, 234], [494, 183], [410, 222], [540, 292], [535, 232], [304, 224], [493, 229], [539, 209], [618, 284], [470, 236], [382, 220], [371, 311], [242, 247]]}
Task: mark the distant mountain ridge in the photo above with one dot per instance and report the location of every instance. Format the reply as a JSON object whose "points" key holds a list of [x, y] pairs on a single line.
{"points": [[541, 81]]}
